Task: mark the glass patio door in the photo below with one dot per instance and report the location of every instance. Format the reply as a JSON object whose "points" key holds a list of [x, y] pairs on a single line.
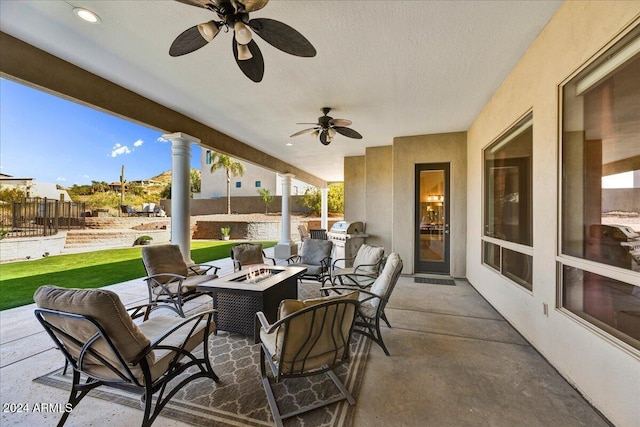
{"points": [[432, 218]]}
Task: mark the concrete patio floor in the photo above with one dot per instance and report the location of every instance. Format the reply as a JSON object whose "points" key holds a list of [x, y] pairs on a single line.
{"points": [[454, 362]]}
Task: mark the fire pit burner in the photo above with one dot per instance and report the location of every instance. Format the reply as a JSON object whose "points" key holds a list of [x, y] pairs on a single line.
{"points": [[256, 275]]}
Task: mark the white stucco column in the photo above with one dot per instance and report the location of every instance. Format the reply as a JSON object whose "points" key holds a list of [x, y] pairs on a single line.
{"points": [[180, 200], [286, 247], [324, 208]]}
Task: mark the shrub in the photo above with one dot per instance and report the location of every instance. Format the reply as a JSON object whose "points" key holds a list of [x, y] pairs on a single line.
{"points": [[142, 240]]}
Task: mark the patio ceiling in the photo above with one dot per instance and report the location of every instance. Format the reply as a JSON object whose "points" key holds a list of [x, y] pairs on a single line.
{"points": [[394, 68]]}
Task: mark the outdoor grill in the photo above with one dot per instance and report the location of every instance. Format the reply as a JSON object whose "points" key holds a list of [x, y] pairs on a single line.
{"points": [[347, 237], [617, 245]]}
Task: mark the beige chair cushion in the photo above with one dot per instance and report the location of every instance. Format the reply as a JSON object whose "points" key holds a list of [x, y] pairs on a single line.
{"points": [[327, 341], [128, 338], [106, 308], [162, 259], [248, 253], [367, 255], [383, 284]]}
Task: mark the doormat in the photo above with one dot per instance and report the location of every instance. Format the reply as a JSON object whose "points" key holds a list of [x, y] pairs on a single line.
{"points": [[432, 281]]}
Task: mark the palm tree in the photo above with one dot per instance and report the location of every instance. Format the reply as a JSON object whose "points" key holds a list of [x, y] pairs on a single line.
{"points": [[222, 161], [267, 198]]}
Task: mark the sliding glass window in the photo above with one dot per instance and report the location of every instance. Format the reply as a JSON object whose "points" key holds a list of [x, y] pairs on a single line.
{"points": [[600, 209], [508, 227]]}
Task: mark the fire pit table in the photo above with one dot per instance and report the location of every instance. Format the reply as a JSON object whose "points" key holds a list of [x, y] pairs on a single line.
{"points": [[239, 296]]}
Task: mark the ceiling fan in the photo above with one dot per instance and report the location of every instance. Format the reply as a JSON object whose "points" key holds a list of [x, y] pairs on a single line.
{"points": [[327, 127], [234, 16]]}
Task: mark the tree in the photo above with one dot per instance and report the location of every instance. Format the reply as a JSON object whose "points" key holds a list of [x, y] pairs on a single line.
{"points": [[231, 167], [194, 185], [12, 194], [312, 199], [195, 178], [267, 198]]}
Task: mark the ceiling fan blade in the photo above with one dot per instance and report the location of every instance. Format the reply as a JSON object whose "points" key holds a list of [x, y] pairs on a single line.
{"points": [[187, 42], [340, 122], [253, 67], [250, 5], [283, 37], [315, 124], [197, 3], [323, 138], [348, 132], [303, 132]]}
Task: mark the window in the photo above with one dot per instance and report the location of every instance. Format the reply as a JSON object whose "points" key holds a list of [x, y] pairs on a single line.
{"points": [[508, 225], [258, 184], [238, 184], [600, 210]]}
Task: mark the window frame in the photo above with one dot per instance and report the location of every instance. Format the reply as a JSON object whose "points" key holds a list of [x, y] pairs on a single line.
{"points": [[520, 125], [562, 259]]}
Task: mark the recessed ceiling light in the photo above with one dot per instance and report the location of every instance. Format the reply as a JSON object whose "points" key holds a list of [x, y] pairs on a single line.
{"points": [[289, 144], [86, 15]]}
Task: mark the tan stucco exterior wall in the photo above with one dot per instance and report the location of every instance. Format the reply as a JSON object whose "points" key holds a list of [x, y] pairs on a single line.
{"points": [[409, 151], [605, 371], [354, 188], [379, 189]]}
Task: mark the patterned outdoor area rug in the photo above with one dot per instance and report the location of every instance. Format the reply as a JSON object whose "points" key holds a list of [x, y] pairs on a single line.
{"points": [[239, 398]]}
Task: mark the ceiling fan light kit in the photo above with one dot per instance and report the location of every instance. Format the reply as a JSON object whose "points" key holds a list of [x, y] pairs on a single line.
{"points": [[234, 16], [208, 30]]}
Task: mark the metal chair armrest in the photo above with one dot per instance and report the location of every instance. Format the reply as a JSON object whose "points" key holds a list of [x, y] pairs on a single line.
{"points": [[273, 260], [293, 258], [174, 276], [362, 266], [372, 295], [260, 322], [205, 267], [140, 310], [333, 266]]}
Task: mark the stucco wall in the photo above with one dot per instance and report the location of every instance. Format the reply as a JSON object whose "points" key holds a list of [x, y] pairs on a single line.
{"points": [[607, 373], [240, 205], [379, 188], [354, 188], [215, 184], [409, 151]]}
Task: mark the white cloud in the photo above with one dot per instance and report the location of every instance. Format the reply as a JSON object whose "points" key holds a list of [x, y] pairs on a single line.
{"points": [[138, 143], [86, 176], [161, 139], [119, 149], [61, 178]]}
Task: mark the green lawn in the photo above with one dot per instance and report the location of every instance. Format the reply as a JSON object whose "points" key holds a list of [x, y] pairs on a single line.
{"points": [[19, 280]]}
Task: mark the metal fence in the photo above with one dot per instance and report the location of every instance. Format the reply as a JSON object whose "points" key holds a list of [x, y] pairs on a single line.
{"points": [[39, 217]]}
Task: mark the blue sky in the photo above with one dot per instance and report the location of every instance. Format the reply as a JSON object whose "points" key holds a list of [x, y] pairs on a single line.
{"points": [[51, 139]]}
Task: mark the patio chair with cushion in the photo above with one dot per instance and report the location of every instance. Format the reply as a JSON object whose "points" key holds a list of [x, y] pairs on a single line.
{"points": [[318, 233], [365, 269], [315, 255], [304, 233], [309, 338], [103, 345], [374, 300], [245, 254], [170, 282], [129, 210]]}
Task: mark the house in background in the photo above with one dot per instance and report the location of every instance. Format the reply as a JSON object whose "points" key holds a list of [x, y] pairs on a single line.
{"points": [[214, 185], [33, 188]]}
